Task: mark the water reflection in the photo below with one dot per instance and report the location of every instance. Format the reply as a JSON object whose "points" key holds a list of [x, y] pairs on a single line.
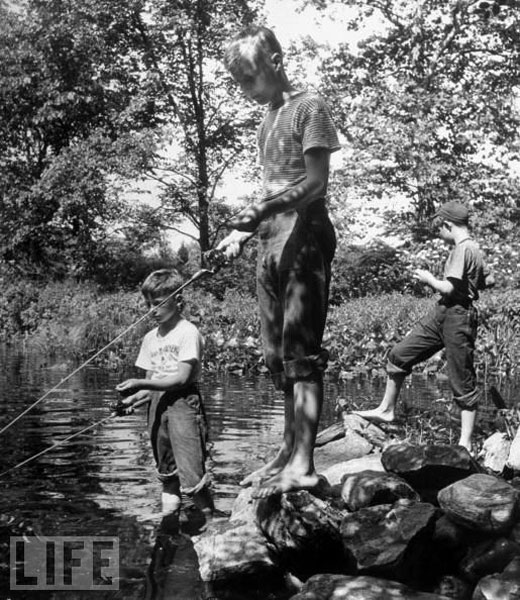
{"points": [[102, 483]]}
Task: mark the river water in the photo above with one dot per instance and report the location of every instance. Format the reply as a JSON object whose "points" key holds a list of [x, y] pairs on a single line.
{"points": [[102, 484]]}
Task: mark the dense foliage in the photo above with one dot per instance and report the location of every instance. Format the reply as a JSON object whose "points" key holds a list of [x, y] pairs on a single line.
{"points": [[77, 320]]}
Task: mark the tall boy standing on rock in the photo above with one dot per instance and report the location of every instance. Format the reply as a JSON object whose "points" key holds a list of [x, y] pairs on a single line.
{"points": [[296, 247], [452, 324]]}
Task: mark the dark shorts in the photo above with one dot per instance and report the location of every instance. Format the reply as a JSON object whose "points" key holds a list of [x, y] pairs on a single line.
{"points": [[453, 328], [178, 434], [293, 282]]}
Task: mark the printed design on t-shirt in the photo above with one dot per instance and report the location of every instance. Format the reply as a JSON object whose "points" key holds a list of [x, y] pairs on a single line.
{"points": [[165, 359]]}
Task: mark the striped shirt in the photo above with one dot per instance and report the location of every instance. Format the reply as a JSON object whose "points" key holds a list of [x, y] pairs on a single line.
{"points": [[286, 133]]}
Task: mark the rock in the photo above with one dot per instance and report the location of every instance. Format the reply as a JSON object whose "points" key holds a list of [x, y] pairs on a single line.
{"points": [[495, 451], [370, 488], [503, 586], [304, 530], [428, 468], [335, 431], [390, 540], [513, 459], [345, 587], [347, 448], [233, 550], [481, 502], [454, 587], [244, 507], [372, 433], [491, 556], [335, 473]]}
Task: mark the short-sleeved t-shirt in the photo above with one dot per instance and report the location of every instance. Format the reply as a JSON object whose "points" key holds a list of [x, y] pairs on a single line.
{"points": [[162, 354], [302, 122], [466, 269]]}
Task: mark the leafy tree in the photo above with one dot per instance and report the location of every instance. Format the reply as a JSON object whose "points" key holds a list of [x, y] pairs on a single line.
{"points": [[92, 91], [428, 103], [208, 131], [74, 115]]}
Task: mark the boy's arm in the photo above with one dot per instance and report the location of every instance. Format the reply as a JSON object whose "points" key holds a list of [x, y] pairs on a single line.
{"points": [[443, 286], [171, 382], [314, 186]]}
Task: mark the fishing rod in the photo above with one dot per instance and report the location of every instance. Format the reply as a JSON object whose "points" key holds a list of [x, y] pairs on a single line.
{"points": [[118, 410], [215, 257]]}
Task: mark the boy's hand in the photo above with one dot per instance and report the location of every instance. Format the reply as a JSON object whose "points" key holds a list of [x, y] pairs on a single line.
{"points": [[247, 219], [233, 244], [129, 386], [130, 403], [423, 275]]}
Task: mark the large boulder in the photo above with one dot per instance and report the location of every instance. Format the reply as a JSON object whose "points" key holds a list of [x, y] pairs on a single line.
{"points": [[429, 468], [488, 557], [500, 586], [234, 550], [370, 488], [372, 433], [333, 432], [336, 473], [390, 540], [481, 502], [513, 459], [304, 530], [345, 587], [347, 448], [495, 451]]}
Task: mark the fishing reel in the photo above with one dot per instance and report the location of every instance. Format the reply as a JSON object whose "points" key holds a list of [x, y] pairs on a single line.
{"points": [[215, 259], [118, 409]]}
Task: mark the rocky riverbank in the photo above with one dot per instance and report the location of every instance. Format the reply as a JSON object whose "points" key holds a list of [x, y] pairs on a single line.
{"points": [[389, 520]]}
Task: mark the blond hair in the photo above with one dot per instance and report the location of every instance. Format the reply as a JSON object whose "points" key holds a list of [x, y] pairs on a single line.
{"points": [[256, 43]]}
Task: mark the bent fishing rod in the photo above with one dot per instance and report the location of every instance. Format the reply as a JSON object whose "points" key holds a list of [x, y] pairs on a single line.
{"points": [[214, 256]]}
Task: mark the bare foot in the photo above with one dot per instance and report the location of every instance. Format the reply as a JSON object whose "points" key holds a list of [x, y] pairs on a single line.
{"points": [[269, 470], [287, 481], [376, 415]]}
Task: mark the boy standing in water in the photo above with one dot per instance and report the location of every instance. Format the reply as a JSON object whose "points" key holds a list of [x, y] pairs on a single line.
{"points": [[296, 247], [171, 355], [452, 324]]}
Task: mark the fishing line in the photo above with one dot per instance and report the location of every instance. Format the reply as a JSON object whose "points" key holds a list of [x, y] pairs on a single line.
{"points": [[118, 410], [192, 279], [56, 444]]}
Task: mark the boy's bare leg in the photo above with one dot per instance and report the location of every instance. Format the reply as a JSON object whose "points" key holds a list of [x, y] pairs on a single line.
{"points": [[284, 453], [299, 472], [385, 412], [467, 424]]}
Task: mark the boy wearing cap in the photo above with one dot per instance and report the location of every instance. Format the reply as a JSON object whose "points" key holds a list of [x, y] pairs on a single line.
{"points": [[452, 324]]}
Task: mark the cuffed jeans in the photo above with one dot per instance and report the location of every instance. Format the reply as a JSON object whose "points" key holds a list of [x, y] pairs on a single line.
{"points": [[453, 328]]}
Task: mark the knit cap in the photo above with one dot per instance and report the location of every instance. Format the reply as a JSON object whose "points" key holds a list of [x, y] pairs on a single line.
{"points": [[453, 211]]}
